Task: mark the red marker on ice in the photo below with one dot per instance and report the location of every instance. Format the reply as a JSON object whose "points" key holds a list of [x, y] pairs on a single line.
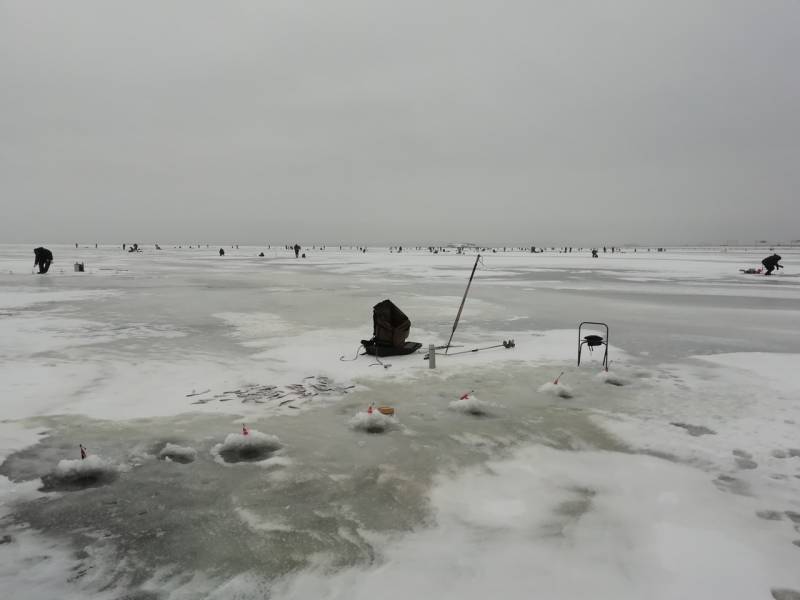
{"points": [[83, 451], [244, 430], [555, 381], [465, 396], [369, 409]]}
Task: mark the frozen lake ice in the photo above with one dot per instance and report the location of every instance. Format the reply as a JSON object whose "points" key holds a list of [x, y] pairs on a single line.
{"points": [[680, 479]]}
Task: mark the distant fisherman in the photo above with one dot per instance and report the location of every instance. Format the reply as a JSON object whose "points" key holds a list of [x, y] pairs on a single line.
{"points": [[43, 258], [297, 250], [771, 263]]}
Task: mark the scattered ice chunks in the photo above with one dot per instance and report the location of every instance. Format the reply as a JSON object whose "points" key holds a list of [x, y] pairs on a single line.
{"points": [[694, 430], [253, 447], [559, 390], [78, 474], [744, 460], [785, 453], [179, 454], [726, 483], [769, 515]]}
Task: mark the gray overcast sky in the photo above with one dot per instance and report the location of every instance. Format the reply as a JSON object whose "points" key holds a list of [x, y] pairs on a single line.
{"points": [[399, 121]]}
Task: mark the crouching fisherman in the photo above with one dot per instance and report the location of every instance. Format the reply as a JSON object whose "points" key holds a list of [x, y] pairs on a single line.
{"points": [[43, 258], [771, 263]]}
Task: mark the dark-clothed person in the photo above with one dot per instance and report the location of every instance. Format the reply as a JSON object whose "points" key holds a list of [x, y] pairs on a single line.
{"points": [[771, 263], [43, 258]]}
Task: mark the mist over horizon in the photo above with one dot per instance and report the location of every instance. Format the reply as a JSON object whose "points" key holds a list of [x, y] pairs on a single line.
{"points": [[377, 123]]}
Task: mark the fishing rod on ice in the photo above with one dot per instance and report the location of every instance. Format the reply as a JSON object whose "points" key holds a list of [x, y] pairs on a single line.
{"points": [[463, 300], [504, 344]]}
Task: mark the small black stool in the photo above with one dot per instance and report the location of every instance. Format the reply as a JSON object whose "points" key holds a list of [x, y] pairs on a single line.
{"points": [[592, 341]]}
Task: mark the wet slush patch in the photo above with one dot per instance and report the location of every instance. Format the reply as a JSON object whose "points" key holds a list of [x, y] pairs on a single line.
{"points": [[339, 485]]}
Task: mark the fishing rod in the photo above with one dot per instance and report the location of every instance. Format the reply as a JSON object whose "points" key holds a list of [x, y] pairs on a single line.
{"points": [[463, 300], [504, 344]]}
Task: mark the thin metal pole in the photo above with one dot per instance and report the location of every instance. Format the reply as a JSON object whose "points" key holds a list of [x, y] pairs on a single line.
{"points": [[463, 300]]}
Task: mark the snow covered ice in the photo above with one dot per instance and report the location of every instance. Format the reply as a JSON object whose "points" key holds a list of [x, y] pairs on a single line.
{"points": [[176, 453], [560, 390], [79, 473], [683, 482], [373, 422], [253, 446], [471, 405], [611, 378]]}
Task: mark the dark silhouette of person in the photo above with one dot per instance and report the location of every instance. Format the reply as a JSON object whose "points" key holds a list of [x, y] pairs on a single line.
{"points": [[594, 253], [297, 250], [771, 263], [43, 258], [221, 252]]}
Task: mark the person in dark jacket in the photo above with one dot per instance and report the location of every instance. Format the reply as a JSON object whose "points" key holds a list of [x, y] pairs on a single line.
{"points": [[297, 250], [43, 258], [771, 263]]}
